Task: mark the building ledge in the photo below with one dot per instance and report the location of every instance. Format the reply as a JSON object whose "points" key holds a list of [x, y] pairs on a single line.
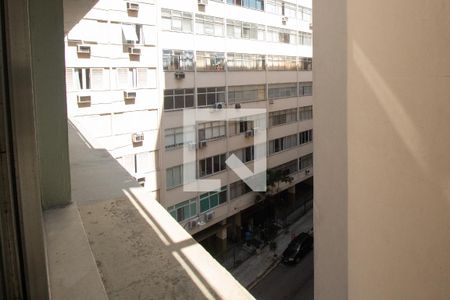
{"points": [[125, 241]]}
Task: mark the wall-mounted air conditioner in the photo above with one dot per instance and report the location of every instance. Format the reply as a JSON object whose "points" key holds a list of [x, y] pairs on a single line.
{"points": [[192, 223], [134, 51], [202, 2], [219, 105], [202, 144], [284, 20], [249, 133], [192, 146], [83, 99], [83, 49], [237, 105], [209, 216], [137, 137], [129, 96], [179, 75], [131, 6]]}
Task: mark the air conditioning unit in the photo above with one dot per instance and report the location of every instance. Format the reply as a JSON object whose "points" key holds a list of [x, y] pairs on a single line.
{"points": [[132, 6], [202, 144], [209, 216], [249, 133], [202, 2], [129, 95], [83, 99], [179, 75], [310, 26], [193, 223], [284, 20], [134, 51], [219, 105], [137, 137], [83, 49], [192, 146], [237, 105]]}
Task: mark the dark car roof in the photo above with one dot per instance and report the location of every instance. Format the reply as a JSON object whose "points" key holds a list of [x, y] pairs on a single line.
{"points": [[295, 243]]}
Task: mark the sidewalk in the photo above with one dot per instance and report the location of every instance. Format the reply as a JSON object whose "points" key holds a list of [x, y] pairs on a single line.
{"points": [[254, 268]]}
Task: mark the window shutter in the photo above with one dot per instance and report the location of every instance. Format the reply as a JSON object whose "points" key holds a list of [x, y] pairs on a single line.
{"points": [[97, 81], [142, 78], [69, 79], [123, 78]]}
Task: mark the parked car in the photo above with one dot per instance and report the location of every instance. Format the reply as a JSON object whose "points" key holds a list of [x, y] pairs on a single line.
{"points": [[297, 248]]}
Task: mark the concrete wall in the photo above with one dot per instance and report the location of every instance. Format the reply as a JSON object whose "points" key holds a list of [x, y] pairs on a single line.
{"points": [[382, 202], [47, 46]]}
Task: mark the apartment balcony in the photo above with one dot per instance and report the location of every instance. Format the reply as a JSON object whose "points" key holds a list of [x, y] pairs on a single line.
{"points": [[116, 241]]}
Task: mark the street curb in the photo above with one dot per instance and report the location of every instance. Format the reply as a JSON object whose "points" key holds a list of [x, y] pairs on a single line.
{"points": [[264, 274]]}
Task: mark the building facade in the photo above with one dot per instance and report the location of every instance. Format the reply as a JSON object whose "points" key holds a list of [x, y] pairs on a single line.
{"points": [[133, 68]]}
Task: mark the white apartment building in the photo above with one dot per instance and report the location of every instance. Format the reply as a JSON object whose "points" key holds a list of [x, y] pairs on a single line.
{"points": [[133, 67]]}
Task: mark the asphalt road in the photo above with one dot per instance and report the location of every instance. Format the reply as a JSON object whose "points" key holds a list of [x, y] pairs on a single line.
{"points": [[288, 282]]}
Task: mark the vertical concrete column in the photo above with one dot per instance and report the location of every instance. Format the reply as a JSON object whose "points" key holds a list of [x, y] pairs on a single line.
{"points": [[381, 149], [291, 194], [222, 238], [47, 45]]}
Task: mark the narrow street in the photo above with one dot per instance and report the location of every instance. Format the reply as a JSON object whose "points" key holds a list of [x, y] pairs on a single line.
{"points": [[288, 282]]}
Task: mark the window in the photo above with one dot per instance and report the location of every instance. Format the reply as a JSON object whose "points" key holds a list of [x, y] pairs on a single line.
{"points": [[240, 126], [245, 154], [209, 25], [283, 90], [86, 79], [210, 61], [305, 89], [245, 30], [288, 168], [139, 163], [283, 143], [213, 199], [289, 9], [210, 96], [135, 78], [176, 60], [212, 165], [305, 161], [305, 13], [245, 62], [274, 7], [184, 210], [305, 137], [175, 137], [211, 130], [132, 34], [174, 175], [304, 38], [252, 4], [282, 117], [175, 20], [83, 79], [305, 113], [305, 64], [178, 99], [238, 188], [281, 35], [246, 93], [282, 63]]}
